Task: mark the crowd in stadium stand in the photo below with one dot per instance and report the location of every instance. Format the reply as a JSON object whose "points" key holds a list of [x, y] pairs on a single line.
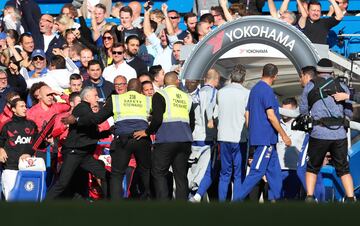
{"points": [[153, 136]]}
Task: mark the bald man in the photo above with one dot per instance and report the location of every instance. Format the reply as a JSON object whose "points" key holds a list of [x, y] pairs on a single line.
{"points": [[136, 11], [171, 119]]}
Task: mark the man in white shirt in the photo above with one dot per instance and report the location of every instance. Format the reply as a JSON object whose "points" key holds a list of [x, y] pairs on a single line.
{"points": [[288, 156], [163, 45], [119, 67], [46, 25], [57, 78]]}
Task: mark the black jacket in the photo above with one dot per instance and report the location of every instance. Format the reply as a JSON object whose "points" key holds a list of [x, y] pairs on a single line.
{"points": [[83, 137], [159, 107], [17, 138], [139, 65], [104, 88]]}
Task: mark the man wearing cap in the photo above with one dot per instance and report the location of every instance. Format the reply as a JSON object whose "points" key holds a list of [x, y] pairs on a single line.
{"points": [[329, 128], [38, 59]]}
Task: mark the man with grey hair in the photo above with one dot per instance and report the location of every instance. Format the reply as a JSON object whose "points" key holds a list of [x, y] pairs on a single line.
{"points": [[232, 135], [204, 135], [79, 147]]}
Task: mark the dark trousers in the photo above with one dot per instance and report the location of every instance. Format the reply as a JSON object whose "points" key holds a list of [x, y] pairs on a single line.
{"points": [[72, 160], [175, 155], [338, 150], [120, 157]]}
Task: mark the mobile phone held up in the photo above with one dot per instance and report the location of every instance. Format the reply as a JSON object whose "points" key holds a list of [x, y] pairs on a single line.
{"points": [[149, 3]]}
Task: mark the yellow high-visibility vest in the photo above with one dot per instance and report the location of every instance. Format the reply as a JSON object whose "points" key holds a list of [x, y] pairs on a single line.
{"points": [[178, 104], [131, 105]]}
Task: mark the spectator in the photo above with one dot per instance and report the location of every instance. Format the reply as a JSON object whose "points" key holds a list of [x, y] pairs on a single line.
{"points": [[218, 14], [157, 77], [98, 23], [103, 87], [284, 14], [209, 18], [26, 47], [30, 17], [120, 84], [158, 17], [70, 11], [132, 49], [144, 77], [105, 52], [343, 5], [85, 56], [57, 77], [12, 19], [253, 7], [190, 20], [115, 10], [203, 28], [201, 7], [75, 84], [147, 88], [316, 28], [177, 63], [4, 89], [88, 7], [126, 27], [136, 11], [49, 40], [62, 24], [175, 21], [15, 80], [119, 66], [163, 45], [189, 39], [38, 59]]}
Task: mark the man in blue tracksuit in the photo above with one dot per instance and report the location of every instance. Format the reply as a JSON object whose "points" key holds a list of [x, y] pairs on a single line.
{"points": [[232, 134], [200, 173], [263, 116]]}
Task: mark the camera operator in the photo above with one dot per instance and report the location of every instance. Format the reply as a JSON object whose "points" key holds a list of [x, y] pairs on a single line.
{"points": [[329, 130]]}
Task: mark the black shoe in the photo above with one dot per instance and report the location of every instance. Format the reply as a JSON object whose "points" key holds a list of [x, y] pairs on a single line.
{"points": [[349, 199], [310, 199]]}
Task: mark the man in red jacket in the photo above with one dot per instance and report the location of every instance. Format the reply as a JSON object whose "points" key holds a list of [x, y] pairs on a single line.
{"points": [[41, 113]]}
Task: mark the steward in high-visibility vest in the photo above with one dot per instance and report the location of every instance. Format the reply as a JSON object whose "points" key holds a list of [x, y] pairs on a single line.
{"points": [[130, 112], [171, 118], [176, 124]]}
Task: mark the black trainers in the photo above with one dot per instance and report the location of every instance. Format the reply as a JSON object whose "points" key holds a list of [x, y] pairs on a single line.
{"points": [[310, 199], [349, 199]]}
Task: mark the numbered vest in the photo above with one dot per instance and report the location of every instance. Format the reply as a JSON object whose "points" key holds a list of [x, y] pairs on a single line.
{"points": [[131, 105], [178, 105]]}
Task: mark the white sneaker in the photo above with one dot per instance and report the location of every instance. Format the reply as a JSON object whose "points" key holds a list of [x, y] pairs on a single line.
{"points": [[195, 199]]}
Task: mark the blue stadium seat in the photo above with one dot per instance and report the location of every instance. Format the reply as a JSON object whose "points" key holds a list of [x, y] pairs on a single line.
{"points": [[29, 186], [334, 191]]}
